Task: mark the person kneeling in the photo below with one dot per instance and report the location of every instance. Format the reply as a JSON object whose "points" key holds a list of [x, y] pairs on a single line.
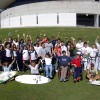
{"points": [[92, 73], [34, 67]]}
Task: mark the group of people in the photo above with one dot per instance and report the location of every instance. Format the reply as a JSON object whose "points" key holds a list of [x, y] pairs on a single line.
{"points": [[51, 55]]}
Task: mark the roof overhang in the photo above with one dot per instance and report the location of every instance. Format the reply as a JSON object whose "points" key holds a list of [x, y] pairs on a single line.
{"points": [[5, 3]]}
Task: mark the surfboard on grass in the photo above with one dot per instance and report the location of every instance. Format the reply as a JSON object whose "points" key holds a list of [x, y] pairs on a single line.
{"points": [[32, 79], [5, 76], [95, 82]]}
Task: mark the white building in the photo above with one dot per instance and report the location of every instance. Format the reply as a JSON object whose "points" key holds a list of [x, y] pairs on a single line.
{"points": [[29, 13]]}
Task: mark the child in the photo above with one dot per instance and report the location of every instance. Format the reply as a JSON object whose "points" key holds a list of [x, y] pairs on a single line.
{"points": [[7, 66], [92, 73], [48, 65], [34, 67]]}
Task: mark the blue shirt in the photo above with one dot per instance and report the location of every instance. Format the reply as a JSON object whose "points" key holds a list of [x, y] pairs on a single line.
{"points": [[64, 60], [7, 68]]}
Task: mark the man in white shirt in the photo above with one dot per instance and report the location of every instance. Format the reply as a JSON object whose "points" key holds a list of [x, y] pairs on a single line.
{"points": [[98, 57], [64, 48], [42, 51], [79, 45], [93, 54], [48, 46], [86, 53]]}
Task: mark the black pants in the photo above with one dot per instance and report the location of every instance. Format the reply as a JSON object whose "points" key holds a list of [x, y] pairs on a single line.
{"points": [[25, 67], [20, 64], [9, 59]]}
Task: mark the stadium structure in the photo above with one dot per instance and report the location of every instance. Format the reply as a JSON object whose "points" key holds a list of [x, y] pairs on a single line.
{"points": [[29, 13]]}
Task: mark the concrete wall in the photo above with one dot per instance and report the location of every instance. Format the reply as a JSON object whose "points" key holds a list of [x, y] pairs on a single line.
{"points": [[26, 15], [50, 19]]}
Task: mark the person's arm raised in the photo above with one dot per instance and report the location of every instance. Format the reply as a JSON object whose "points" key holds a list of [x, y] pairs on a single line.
{"points": [[18, 37], [26, 65], [12, 62], [24, 37]]}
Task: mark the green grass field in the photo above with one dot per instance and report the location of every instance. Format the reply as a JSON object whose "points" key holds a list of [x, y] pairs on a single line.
{"points": [[54, 90], [89, 33]]}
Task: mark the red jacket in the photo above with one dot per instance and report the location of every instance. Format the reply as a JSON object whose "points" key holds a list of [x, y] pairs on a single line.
{"points": [[77, 62]]}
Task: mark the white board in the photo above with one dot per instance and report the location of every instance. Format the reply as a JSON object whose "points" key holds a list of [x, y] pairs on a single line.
{"points": [[5, 76], [32, 79], [95, 82]]}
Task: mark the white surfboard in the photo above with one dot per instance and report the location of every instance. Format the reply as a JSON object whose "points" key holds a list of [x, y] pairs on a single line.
{"points": [[32, 79], [95, 82], [5, 76]]}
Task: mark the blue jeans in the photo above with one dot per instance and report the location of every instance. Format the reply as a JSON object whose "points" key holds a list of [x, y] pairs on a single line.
{"points": [[48, 69]]}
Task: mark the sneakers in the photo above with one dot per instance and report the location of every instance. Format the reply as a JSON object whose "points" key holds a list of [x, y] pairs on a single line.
{"points": [[62, 79], [51, 77], [75, 80], [56, 70]]}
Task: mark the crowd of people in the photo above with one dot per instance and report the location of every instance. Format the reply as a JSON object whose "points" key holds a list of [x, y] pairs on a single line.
{"points": [[48, 56]]}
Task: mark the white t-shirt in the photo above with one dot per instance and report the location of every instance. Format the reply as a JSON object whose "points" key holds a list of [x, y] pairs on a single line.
{"points": [[37, 49], [8, 52], [86, 50], [33, 55], [64, 48], [16, 43], [34, 70], [14, 53], [93, 52], [48, 61], [79, 46], [25, 55], [98, 47], [7, 69], [48, 47], [43, 53]]}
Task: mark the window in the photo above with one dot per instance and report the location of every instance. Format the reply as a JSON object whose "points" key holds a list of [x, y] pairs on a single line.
{"points": [[85, 20], [96, 0]]}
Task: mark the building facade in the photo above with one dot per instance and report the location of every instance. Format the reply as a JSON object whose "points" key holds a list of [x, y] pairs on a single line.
{"points": [[24, 13]]}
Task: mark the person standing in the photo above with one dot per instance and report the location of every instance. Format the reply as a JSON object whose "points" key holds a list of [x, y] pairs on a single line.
{"points": [[8, 53], [86, 54], [98, 55], [25, 57], [48, 66]]}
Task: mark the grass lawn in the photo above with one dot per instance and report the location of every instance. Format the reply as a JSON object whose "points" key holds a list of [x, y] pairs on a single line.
{"points": [[90, 33], [54, 90]]}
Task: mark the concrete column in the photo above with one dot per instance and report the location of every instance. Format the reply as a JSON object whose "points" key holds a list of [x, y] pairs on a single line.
{"points": [[0, 20], [96, 20]]}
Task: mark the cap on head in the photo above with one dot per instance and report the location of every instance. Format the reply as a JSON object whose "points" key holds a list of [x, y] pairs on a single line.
{"points": [[78, 53]]}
